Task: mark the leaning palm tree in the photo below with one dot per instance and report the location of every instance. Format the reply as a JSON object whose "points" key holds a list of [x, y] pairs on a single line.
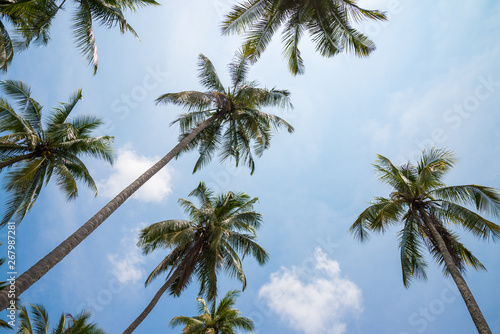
{"points": [[426, 208], [223, 319], [32, 20], [34, 153], [230, 119], [208, 243], [327, 21], [38, 323]]}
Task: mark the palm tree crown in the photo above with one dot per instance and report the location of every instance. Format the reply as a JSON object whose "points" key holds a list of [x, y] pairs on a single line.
{"points": [[240, 127], [34, 153], [327, 21], [32, 20], [223, 319], [39, 323], [426, 207], [205, 245]]}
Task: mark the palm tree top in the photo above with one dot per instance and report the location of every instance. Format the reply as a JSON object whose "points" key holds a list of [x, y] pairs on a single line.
{"points": [[220, 318], [32, 20], [32, 149], [329, 23], [240, 129], [220, 228], [39, 323], [420, 196]]}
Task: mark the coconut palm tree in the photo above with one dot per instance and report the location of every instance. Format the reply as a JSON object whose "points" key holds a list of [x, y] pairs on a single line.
{"points": [[39, 323], [327, 21], [235, 114], [208, 243], [32, 20], [34, 154], [426, 208], [223, 319]]}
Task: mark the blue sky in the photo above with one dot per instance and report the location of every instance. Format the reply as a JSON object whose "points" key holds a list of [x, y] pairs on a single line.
{"points": [[433, 81]]}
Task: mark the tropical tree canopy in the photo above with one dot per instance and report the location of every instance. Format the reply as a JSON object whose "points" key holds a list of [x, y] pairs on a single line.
{"points": [[222, 318], [223, 227], [31, 154], [329, 23], [220, 229], [38, 323], [32, 20], [418, 193], [241, 130], [426, 208]]}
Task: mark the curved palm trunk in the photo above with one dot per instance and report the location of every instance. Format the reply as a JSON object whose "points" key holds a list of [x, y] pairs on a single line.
{"points": [[185, 268], [16, 159], [152, 303], [470, 302], [29, 277]]}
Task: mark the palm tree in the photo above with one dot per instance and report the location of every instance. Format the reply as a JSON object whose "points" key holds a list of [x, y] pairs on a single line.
{"points": [[32, 20], [221, 228], [39, 323], [426, 207], [34, 153], [221, 320], [236, 115], [327, 21]]}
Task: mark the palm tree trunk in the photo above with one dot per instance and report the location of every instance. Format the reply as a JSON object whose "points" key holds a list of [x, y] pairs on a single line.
{"points": [[29, 277], [470, 302], [12, 161], [152, 303]]}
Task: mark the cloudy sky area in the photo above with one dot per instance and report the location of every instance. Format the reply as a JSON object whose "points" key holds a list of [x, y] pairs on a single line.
{"points": [[433, 81]]}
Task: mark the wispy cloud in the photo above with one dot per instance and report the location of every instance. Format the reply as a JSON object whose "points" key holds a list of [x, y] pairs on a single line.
{"points": [[125, 265], [313, 302], [128, 166]]}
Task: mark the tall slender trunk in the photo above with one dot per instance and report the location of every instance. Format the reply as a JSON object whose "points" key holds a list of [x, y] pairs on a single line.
{"points": [[152, 303], [12, 161], [470, 302], [184, 269], [33, 274]]}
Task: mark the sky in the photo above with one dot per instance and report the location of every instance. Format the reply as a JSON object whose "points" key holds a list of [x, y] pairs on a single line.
{"points": [[434, 80]]}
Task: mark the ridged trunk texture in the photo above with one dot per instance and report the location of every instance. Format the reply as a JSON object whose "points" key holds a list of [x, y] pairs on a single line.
{"points": [[37, 271], [470, 302]]}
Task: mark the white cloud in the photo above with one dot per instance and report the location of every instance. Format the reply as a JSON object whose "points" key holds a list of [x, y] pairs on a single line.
{"points": [[125, 265], [313, 301], [128, 166]]}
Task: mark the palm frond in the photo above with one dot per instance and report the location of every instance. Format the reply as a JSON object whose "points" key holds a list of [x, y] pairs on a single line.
{"points": [[474, 223], [238, 69], [60, 114], [83, 32], [208, 75], [242, 16], [413, 263], [485, 199], [30, 109]]}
